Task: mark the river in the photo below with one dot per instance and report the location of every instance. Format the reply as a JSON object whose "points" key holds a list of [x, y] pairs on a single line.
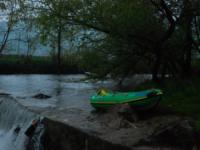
{"points": [[65, 90], [69, 103]]}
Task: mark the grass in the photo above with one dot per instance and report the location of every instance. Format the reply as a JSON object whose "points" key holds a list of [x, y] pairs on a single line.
{"points": [[182, 96]]}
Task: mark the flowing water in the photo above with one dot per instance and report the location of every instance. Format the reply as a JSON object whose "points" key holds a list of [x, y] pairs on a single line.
{"points": [[14, 120], [68, 92]]}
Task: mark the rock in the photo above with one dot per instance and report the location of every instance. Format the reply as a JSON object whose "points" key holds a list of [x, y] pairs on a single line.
{"points": [[124, 109], [118, 116], [4, 94], [127, 112], [125, 124], [180, 133], [157, 131], [41, 96], [17, 129]]}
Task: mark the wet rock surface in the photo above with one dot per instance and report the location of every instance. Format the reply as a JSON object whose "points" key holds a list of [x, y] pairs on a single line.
{"points": [[41, 96]]}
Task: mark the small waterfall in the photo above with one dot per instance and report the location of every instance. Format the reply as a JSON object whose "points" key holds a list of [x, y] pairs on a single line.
{"points": [[14, 121], [35, 141]]}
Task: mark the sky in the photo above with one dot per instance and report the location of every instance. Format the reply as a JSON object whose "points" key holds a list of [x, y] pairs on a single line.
{"points": [[3, 17]]}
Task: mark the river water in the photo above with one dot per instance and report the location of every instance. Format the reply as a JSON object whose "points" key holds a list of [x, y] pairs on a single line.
{"points": [[68, 92], [65, 90]]}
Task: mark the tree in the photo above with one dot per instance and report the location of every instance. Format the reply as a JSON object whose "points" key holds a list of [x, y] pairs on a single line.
{"points": [[123, 22], [125, 35], [8, 7], [51, 25]]}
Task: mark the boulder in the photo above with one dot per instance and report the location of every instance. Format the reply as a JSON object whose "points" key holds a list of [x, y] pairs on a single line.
{"points": [[4, 94], [118, 116], [41, 96], [179, 133]]}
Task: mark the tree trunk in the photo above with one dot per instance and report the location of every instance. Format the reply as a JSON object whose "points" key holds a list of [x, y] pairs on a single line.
{"points": [[187, 23], [157, 65], [163, 39], [188, 49], [9, 28], [59, 44], [164, 69], [5, 38]]}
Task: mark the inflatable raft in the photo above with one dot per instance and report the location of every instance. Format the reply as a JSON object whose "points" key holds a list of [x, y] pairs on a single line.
{"points": [[140, 100]]}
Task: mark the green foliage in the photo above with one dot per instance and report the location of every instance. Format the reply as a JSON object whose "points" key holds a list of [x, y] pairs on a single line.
{"points": [[127, 27], [95, 62], [2, 6], [121, 37], [71, 58]]}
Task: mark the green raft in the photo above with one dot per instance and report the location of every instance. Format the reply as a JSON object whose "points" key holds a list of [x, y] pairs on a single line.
{"points": [[140, 100]]}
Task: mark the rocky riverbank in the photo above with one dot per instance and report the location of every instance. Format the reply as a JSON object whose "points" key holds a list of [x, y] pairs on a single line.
{"points": [[117, 128]]}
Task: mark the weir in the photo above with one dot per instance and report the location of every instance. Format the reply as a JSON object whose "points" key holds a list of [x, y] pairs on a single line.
{"points": [[15, 119]]}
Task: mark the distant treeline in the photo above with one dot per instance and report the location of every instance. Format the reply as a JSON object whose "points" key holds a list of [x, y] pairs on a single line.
{"points": [[35, 65]]}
